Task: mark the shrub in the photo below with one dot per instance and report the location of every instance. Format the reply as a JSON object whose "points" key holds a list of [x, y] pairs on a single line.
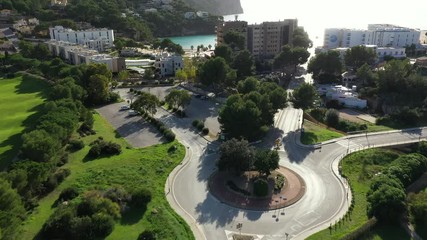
{"points": [[95, 151], [113, 97], [68, 193], [279, 182], [318, 114], [169, 135], [163, 129], [200, 126], [140, 197], [61, 174], [332, 117], [100, 146], [63, 159], [205, 131], [195, 122], [76, 144], [260, 187], [147, 235]]}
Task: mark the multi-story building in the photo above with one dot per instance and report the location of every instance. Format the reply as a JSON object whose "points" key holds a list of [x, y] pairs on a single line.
{"points": [[263, 40], [79, 54], [266, 40], [382, 35], [98, 39], [168, 65], [381, 52], [423, 37]]}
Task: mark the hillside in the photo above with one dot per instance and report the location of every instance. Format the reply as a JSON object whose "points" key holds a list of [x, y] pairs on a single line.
{"points": [[217, 7]]}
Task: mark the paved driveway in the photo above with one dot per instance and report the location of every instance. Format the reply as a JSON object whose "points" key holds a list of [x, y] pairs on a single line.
{"points": [[134, 129]]}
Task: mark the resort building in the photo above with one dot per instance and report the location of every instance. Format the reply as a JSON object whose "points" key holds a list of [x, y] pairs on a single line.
{"points": [[98, 39], [168, 65], [382, 35], [240, 27], [381, 52]]}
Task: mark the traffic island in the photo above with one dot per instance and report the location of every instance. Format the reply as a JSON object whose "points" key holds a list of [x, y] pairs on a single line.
{"points": [[238, 191]]}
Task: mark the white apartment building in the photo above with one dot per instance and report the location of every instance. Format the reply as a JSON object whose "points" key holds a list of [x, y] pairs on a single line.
{"points": [[381, 52], [382, 35], [79, 54], [423, 37], [168, 65], [98, 39]]}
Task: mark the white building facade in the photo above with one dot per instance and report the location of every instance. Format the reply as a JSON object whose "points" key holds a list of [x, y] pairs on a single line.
{"points": [[168, 65], [382, 35], [98, 39]]}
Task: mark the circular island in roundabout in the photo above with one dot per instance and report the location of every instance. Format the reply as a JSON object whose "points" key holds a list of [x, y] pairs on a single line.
{"points": [[254, 191]]}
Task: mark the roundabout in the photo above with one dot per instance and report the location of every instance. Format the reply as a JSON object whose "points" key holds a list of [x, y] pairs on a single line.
{"points": [[238, 191]]}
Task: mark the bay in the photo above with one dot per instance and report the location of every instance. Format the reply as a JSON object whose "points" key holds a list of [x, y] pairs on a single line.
{"points": [[187, 41]]}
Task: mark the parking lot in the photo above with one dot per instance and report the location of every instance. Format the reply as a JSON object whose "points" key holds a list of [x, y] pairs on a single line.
{"points": [[202, 109], [134, 129]]}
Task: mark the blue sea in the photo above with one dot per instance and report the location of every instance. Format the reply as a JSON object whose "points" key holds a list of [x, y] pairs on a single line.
{"points": [[187, 41]]}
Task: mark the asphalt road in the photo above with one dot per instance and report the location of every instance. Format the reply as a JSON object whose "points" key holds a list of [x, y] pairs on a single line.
{"points": [[325, 201]]}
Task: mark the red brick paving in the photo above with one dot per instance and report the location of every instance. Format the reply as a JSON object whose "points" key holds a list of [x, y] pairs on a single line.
{"points": [[293, 190]]}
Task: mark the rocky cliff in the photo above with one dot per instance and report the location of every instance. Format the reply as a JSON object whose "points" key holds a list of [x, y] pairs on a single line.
{"points": [[217, 7]]}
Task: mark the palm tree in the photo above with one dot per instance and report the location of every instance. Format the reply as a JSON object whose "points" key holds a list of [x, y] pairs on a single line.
{"points": [[192, 47], [210, 46]]}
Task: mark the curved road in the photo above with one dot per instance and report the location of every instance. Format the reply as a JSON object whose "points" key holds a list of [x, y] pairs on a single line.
{"points": [[325, 201]]}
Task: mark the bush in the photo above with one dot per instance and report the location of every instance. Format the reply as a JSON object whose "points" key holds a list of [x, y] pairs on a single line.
{"points": [[332, 117], [200, 126], [318, 114], [279, 182], [169, 135], [147, 235], [61, 174], [68, 193], [63, 159], [76, 144], [195, 123], [205, 131], [260, 187], [113, 97], [163, 129], [100, 147], [140, 197]]}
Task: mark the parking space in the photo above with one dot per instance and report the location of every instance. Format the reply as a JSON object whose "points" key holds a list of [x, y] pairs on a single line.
{"points": [[134, 129]]}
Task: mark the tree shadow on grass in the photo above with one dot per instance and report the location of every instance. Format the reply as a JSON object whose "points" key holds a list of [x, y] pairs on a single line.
{"points": [[32, 84], [6, 158], [133, 215]]}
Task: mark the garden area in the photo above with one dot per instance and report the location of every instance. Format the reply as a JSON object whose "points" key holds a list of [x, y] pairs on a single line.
{"points": [[373, 175], [145, 168]]}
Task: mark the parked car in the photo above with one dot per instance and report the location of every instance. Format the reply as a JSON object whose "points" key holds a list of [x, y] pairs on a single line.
{"points": [[124, 107], [132, 113]]}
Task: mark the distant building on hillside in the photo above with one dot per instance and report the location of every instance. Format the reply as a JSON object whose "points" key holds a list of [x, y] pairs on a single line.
{"points": [[423, 37], [381, 52], [202, 14], [99, 39], [263, 40], [61, 3], [190, 15]]}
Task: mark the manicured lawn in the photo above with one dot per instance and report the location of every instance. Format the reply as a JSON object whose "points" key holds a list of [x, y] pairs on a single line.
{"points": [[315, 134], [147, 167], [359, 168], [20, 98], [378, 128]]}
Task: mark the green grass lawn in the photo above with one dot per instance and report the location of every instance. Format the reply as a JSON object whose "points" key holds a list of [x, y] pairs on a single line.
{"points": [[315, 134], [20, 99], [360, 167], [147, 167], [378, 128]]}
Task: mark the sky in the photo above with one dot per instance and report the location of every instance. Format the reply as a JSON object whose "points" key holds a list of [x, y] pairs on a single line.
{"points": [[315, 16]]}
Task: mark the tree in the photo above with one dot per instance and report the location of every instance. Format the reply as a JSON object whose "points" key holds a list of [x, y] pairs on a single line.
{"points": [[356, 56], [98, 91], [332, 118], [235, 40], [325, 63], [40, 146], [300, 38], [266, 161], [213, 72], [237, 108], [248, 85], [12, 211], [290, 58], [236, 156], [146, 102], [190, 68], [123, 75], [386, 203], [244, 63], [223, 51], [304, 96], [148, 73], [178, 98], [365, 74], [181, 75]]}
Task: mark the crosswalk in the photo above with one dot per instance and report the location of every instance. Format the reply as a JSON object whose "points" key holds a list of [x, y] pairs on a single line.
{"points": [[347, 143]]}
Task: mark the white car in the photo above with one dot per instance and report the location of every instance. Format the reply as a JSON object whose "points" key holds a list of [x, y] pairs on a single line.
{"points": [[124, 107], [132, 113]]}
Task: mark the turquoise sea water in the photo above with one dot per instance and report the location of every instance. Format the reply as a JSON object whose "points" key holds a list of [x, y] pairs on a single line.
{"points": [[187, 41]]}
